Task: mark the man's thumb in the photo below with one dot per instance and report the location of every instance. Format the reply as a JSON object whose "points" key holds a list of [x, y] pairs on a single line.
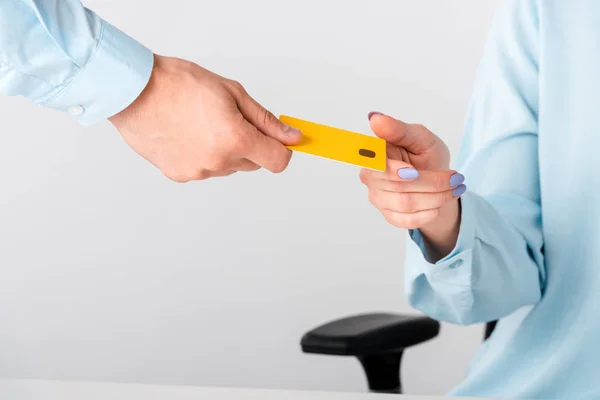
{"points": [[416, 139], [267, 123]]}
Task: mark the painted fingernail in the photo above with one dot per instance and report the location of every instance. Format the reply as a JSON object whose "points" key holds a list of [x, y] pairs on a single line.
{"points": [[408, 173], [459, 190], [456, 179], [374, 113], [291, 132]]}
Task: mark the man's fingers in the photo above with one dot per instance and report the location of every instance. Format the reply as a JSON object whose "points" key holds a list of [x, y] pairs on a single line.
{"points": [[198, 176], [265, 151], [409, 202], [245, 165], [414, 138], [220, 174], [265, 121]]}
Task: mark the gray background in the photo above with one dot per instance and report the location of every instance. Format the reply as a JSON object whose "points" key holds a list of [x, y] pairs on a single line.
{"points": [[108, 271]]}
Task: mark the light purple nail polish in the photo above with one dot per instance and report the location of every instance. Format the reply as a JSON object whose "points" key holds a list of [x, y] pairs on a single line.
{"points": [[408, 173], [459, 190], [374, 113], [456, 179]]}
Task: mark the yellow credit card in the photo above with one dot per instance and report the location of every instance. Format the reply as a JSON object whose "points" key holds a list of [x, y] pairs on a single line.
{"points": [[338, 144]]}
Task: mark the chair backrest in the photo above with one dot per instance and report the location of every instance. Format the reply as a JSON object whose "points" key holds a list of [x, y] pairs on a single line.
{"points": [[489, 328]]}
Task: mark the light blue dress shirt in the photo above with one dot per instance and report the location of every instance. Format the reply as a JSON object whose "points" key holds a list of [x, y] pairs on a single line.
{"points": [[528, 251], [61, 55]]}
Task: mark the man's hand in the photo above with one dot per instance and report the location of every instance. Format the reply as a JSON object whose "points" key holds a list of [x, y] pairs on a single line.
{"points": [[194, 125], [418, 190]]}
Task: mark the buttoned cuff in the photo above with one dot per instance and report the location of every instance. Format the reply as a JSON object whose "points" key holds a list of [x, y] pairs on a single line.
{"points": [[115, 75], [455, 267]]}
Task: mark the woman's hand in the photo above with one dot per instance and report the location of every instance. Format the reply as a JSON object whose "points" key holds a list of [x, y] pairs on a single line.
{"points": [[408, 198], [417, 190]]}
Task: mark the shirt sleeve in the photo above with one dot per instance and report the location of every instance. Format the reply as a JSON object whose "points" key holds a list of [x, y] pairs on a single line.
{"points": [[61, 55], [497, 265]]}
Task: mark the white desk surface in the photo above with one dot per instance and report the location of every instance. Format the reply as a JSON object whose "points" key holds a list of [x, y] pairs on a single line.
{"points": [[17, 389]]}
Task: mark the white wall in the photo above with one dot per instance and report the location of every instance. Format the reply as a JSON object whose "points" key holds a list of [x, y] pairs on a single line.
{"points": [[110, 272]]}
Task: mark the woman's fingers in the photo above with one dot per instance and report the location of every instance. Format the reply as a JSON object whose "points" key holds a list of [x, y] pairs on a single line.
{"points": [[409, 202], [408, 198], [395, 170], [410, 220], [423, 182]]}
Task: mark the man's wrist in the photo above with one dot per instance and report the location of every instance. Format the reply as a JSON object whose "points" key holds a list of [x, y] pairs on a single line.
{"points": [[135, 109]]}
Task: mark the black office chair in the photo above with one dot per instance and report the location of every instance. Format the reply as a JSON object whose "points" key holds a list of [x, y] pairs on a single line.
{"points": [[377, 341]]}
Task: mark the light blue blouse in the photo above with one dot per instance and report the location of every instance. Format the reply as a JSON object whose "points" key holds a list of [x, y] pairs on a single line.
{"points": [[528, 252]]}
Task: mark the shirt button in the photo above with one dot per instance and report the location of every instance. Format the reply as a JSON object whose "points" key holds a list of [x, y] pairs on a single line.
{"points": [[76, 110], [456, 264]]}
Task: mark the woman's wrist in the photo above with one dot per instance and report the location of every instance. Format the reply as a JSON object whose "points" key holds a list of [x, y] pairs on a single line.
{"points": [[441, 234]]}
